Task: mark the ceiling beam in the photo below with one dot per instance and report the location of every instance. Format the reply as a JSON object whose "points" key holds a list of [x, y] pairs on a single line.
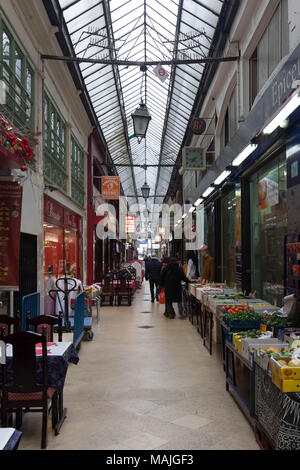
{"points": [[131, 63]]}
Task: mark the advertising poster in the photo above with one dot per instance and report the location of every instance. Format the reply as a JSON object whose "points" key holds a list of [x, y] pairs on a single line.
{"points": [[110, 187], [10, 225], [268, 191]]}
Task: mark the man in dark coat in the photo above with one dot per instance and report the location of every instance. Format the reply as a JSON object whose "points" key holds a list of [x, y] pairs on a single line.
{"points": [[153, 269], [170, 279]]}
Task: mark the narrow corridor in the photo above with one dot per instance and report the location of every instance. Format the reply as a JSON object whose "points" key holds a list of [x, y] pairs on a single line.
{"points": [[145, 382]]}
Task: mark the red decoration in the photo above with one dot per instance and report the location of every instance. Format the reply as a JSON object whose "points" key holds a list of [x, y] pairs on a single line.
{"points": [[15, 148], [12, 139]]}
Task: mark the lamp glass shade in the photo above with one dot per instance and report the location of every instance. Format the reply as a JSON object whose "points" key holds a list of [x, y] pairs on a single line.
{"points": [[145, 190], [141, 119]]}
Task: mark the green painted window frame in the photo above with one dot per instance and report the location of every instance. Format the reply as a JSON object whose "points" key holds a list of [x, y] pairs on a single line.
{"points": [[20, 104], [54, 144], [77, 172]]}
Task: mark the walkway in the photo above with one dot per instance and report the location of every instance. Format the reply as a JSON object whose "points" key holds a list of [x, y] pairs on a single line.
{"points": [[145, 382]]}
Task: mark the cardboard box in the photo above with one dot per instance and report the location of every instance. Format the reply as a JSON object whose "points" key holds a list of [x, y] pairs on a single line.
{"points": [[250, 345], [262, 359], [287, 379]]}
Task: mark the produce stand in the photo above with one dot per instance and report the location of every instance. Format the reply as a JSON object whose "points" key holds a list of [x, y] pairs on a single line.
{"points": [[259, 370], [208, 329], [240, 380], [277, 413]]}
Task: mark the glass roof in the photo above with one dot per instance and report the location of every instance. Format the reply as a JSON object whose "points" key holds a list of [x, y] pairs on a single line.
{"points": [[142, 31]]}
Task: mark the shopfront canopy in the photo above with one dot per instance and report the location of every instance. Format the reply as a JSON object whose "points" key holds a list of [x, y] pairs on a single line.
{"points": [[111, 40]]}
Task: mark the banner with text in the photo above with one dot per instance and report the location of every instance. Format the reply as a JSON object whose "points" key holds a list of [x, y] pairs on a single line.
{"points": [[10, 225]]}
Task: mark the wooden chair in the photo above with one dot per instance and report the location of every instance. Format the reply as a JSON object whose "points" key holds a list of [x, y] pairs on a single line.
{"points": [[124, 289], [47, 321], [108, 290], [23, 391], [8, 323]]}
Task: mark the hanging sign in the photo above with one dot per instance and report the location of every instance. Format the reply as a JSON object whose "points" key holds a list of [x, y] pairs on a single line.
{"points": [[10, 224], [194, 158], [110, 187], [198, 126], [161, 73], [130, 223]]}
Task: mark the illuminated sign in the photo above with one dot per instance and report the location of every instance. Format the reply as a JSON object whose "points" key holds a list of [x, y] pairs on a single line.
{"points": [[130, 223]]}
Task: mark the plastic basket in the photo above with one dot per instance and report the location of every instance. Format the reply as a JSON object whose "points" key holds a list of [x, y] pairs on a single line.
{"points": [[249, 324]]}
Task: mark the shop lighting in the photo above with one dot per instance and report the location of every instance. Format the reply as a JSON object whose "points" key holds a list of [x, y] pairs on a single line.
{"points": [[184, 215], [222, 177], [244, 154], [286, 111], [192, 209], [179, 221], [208, 191], [198, 202]]}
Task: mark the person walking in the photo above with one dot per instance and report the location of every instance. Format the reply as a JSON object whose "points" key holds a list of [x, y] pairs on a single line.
{"points": [[153, 269], [170, 279]]}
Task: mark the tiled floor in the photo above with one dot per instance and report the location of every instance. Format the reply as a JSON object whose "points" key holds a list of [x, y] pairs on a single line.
{"points": [[145, 388]]}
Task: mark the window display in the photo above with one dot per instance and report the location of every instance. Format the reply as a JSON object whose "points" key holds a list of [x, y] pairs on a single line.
{"points": [[62, 247], [228, 206], [268, 229]]}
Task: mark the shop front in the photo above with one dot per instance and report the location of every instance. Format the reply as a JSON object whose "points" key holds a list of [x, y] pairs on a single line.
{"points": [[228, 238], [268, 227], [62, 246]]}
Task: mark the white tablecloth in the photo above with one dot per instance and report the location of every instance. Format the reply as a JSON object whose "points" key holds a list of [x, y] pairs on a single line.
{"points": [[5, 435]]}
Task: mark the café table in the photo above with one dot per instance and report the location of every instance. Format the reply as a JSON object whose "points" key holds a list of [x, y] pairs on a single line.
{"points": [[59, 355], [9, 438]]}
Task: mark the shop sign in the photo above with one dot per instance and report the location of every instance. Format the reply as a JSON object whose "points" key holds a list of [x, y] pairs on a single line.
{"points": [[198, 126], [110, 187], [53, 212], [281, 87], [130, 223], [10, 224], [71, 220]]}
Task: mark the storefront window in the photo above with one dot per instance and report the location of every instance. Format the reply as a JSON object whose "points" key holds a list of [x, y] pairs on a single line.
{"points": [[228, 218], [53, 262], [62, 247], [53, 249], [268, 229], [208, 229], [71, 251]]}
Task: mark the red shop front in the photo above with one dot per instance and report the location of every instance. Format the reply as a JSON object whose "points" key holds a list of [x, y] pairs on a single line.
{"points": [[62, 245]]}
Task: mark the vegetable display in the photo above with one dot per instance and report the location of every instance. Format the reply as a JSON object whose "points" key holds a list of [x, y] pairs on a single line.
{"points": [[242, 314], [277, 320]]}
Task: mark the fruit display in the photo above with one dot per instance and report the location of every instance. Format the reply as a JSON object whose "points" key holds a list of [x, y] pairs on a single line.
{"points": [[285, 370], [234, 308]]}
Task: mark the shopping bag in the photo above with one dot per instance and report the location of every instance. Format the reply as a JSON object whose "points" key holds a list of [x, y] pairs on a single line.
{"points": [[162, 296]]}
